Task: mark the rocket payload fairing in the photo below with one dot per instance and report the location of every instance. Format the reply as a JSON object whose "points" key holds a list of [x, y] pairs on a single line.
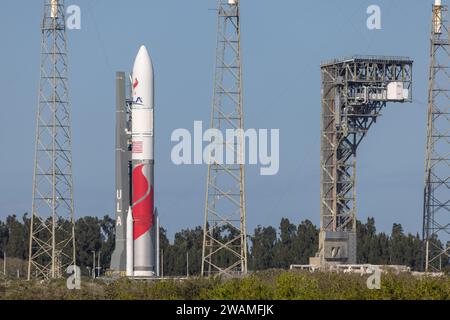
{"points": [[137, 245], [142, 113]]}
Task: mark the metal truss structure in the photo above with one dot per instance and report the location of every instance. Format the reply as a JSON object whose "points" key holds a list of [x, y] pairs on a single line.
{"points": [[436, 213], [52, 235], [225, 237], [354, 91]]}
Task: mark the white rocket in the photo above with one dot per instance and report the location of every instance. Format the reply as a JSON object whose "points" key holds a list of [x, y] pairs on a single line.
{"points": [[142, 226]]}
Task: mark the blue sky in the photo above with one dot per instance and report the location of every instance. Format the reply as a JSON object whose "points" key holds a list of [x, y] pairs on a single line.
{"points": [[283, 44]]}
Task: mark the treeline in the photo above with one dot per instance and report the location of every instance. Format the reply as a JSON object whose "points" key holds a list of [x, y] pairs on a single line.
{"points": [[269, 248], [92, 234]]}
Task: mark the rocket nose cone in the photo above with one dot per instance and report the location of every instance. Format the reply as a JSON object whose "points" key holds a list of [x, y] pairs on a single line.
{"points": [[143, 77], [143, 56], [143, 63], [143, 51]]}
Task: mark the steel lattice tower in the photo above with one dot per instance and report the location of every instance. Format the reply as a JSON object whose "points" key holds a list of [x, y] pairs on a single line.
{"points": [[354, 91], [225, 237], [52, 239], [436, 216]]}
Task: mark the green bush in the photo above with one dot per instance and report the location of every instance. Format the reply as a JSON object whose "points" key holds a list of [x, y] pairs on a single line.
{"points": [[251, 288], [265, 285]]}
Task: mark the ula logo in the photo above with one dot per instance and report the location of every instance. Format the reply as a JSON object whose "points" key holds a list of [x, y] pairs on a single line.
{"points": [[139, 101]]}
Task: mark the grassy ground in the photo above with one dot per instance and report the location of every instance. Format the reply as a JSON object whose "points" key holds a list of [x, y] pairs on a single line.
{"points": [[267, 285]]}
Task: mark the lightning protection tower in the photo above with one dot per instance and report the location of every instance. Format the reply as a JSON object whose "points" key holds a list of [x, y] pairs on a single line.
{"points": [[225, 237], [436, 213], [52, 240], [354, 91]]}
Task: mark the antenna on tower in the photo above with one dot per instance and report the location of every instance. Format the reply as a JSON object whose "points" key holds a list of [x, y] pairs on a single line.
{"points": [[436, 210], [225, 235], [52, 233]]}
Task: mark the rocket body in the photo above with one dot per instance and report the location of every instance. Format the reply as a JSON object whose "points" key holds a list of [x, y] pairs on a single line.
{"points": [[142, 177]]}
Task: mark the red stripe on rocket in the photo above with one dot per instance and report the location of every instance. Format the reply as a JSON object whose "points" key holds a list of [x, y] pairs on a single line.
{"points": [[143, 200]]}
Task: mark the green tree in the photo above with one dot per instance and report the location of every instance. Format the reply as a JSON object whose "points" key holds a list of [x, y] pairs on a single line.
{"points": [[382, 255], [108, 231], [367, 241], [306, 242], [285, 253], [397, 245], [175, 258], [26, 224], [88, 237], [263, 245], [16, 245], [413, 251], [4, 234]]}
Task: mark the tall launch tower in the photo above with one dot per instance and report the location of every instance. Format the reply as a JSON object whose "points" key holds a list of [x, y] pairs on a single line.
{"points": [[354, 91], [436, 215], [225, 237], [52, 239]]}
